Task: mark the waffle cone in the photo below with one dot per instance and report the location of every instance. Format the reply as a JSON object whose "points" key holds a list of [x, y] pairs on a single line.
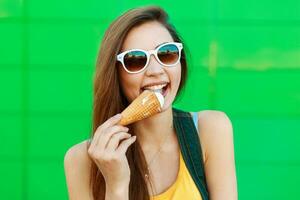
{"points": [[145, 105]]}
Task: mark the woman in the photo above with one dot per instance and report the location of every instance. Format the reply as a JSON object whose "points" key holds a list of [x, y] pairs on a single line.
{"points": [[163, 156]]}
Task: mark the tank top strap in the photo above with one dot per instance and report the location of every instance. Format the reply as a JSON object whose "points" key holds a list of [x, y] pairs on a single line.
{"points": [[189, 143]]}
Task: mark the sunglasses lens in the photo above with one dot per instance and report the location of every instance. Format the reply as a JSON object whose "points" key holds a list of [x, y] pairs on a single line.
{"points": [[135, 60], [168, 54]]}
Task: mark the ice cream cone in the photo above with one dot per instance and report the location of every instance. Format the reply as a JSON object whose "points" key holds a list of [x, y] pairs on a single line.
{"points": [[147, 104]]}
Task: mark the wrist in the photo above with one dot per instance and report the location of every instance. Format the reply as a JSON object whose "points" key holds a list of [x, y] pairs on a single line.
{"points": [[120, 191]]}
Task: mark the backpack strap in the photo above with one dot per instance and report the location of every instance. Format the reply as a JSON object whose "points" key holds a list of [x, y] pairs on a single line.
{"points": [[190, 148]]}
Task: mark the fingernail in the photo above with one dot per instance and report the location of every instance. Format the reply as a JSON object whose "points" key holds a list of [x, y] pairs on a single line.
{"points": [[118, 115], [134, 137]]}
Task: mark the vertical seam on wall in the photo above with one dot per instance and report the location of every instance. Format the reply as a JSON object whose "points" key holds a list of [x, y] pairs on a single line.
{"points": [[213, 54], [24, 101]]}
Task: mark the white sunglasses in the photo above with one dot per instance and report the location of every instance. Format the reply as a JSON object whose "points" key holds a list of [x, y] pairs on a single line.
{"points": [[136, 60]]}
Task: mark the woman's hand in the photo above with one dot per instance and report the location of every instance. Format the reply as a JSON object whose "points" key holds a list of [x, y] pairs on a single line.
{"points": [[109, 152]]}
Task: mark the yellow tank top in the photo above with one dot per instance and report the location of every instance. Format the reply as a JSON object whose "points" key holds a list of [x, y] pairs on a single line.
{"points": [[183, 187]]}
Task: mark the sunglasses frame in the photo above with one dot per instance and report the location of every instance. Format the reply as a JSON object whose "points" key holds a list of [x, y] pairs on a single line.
{"points": [[120, 57]]}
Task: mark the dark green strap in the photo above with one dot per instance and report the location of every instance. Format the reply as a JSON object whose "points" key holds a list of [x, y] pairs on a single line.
{"points": [[190, 148]]}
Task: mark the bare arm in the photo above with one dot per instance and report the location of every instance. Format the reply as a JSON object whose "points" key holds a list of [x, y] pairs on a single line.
{"points": [[77, 171], [77, 165], [216, 136]]}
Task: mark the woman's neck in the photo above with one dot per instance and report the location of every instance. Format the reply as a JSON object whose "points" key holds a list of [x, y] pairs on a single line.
{"points": [[152, 131]]}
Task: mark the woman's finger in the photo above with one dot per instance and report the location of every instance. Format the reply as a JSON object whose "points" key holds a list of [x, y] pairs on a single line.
{"points": [[125, 144], [104, 137], [113, 120], [115, 140]]}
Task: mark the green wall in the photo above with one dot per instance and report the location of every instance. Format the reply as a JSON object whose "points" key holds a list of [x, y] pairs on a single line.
{"points": [[245, 61]]}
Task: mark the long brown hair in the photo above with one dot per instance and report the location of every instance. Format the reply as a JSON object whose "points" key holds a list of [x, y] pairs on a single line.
{"points": [[110, 100]]}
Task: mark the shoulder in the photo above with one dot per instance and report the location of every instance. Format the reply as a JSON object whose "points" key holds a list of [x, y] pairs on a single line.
{"points": [[77, 154], [214, 120], [214, 129], [216, 137], [77, 170]]}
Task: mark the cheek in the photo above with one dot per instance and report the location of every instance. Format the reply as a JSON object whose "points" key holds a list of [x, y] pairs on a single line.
{"points": [[176, 76], [130, 85], [179, 75]]}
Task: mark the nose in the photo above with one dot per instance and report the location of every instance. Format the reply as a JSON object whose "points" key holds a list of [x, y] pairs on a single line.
{"points": [[154, 67]]}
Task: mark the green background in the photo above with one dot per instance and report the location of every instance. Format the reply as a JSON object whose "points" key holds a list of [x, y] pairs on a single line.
{"points": [[245, 61]]}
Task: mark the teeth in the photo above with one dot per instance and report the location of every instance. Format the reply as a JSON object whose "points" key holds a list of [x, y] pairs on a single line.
{"points": [[155, 87]]}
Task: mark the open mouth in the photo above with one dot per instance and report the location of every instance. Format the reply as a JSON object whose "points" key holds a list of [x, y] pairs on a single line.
{"points": [[164, 91]]}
